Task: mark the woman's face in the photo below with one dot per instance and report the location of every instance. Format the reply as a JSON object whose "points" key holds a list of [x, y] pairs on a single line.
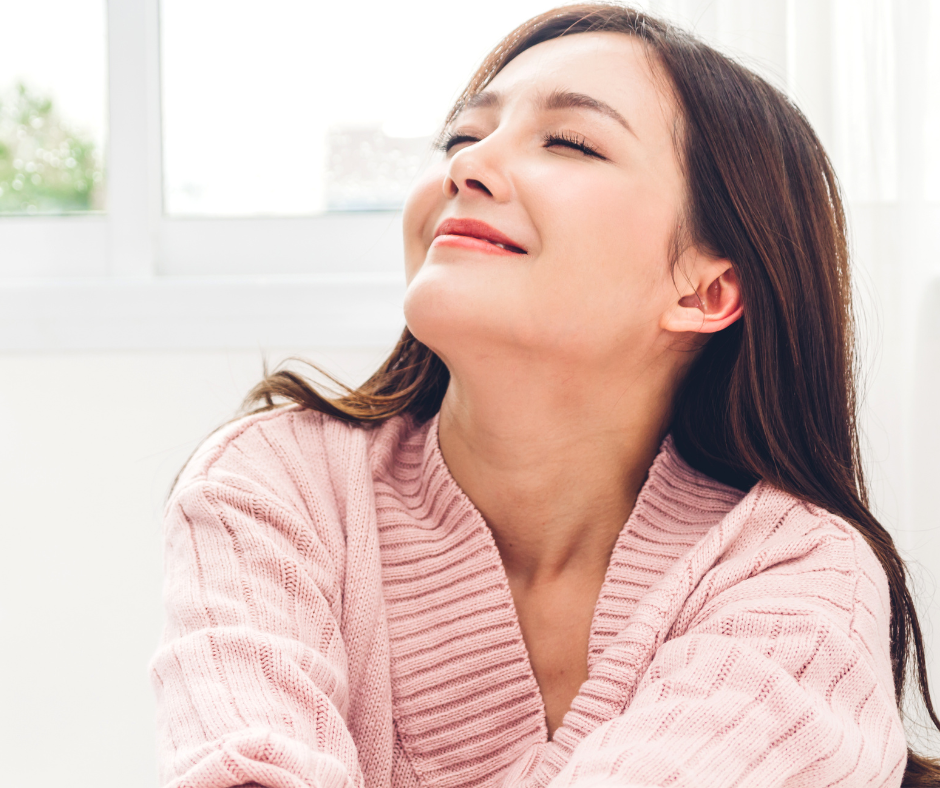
{"points": [[567, 158]]}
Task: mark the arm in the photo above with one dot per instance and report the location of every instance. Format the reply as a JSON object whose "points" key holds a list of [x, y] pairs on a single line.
{"points": [[770, 685], [251, 675]]}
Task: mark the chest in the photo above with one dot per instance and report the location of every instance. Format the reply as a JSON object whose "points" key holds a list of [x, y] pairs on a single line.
{"points": [[482, 675], [555, 621]]}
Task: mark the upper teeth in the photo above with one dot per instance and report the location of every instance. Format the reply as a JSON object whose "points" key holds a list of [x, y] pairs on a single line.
{"points": [[501, 246]]}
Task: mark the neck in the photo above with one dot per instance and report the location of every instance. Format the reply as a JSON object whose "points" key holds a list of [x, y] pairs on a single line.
{"points": [[554, 470]]}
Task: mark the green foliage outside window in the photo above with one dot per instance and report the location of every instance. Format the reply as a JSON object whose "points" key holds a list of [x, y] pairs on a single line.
{"points": [[46, 166]]}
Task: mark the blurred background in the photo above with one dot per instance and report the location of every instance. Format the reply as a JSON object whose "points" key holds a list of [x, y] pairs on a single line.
{"points": [[190, 187]]}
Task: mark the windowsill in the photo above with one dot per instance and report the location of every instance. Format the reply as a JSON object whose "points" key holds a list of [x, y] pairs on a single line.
{"points": [[208, 313]]}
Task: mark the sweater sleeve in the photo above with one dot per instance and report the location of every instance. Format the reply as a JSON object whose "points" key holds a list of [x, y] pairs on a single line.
{"points": [[776, 682], [251, 675]]}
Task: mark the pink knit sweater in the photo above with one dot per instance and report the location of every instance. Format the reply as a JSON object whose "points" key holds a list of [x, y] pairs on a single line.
{"points": [[338, 615]]}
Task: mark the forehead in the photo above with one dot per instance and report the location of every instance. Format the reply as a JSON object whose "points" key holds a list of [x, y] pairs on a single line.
{"points": [[616, 68]]}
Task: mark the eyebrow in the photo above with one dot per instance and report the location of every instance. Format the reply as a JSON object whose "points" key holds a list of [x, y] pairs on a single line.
{"points": [[557, 99]]}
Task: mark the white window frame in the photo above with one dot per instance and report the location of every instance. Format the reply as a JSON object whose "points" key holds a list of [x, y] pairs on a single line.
{"points": [[132, 278]]}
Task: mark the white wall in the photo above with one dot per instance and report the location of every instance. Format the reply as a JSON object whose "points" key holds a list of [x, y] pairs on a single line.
{"points": [[89, 444]]}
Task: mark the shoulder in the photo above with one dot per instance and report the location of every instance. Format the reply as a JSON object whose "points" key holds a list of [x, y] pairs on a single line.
{"points": [[779, 563], [793, 553], [291, 453], [260, 442], [767, 540], [780, 527]]}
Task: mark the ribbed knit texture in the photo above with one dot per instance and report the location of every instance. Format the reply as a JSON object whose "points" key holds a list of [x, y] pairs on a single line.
{"points": [[338, 615]]}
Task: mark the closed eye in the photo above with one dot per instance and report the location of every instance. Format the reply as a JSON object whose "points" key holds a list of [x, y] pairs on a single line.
{"points": [[565, 139], [449, 141], [571, 140]]}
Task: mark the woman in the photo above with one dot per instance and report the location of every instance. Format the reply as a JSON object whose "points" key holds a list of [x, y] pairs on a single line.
{"points": [[600, 518]]}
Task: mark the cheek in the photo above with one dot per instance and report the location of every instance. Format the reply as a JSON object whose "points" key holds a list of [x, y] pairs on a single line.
{"points": [[614, 220], [424, 204], [610, 238]]}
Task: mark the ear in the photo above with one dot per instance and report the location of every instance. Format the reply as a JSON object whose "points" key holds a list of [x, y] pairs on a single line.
{"points": [[709, 300]]}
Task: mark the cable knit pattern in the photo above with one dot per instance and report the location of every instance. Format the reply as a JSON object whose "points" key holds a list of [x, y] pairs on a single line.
{"points": [[338, 615]]}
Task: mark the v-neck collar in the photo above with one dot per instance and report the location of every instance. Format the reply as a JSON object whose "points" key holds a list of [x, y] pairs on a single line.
{"points": [[466, 702]]}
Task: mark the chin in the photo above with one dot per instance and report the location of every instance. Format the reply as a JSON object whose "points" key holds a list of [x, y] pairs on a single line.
{"points": [[454, 316], [433, 315]]}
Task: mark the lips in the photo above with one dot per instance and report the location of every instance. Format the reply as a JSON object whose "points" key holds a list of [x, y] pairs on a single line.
{"points": [[474, 228]]}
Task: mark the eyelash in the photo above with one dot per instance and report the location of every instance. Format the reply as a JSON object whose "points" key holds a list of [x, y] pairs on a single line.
{"points": [[572, 140], [566, 138]]}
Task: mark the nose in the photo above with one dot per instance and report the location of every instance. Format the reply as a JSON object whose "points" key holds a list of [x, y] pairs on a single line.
{"points": [[479, 170]]}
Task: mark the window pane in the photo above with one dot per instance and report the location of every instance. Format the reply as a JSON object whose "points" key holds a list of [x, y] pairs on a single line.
{"points": [[292, 107], [53, 106]]}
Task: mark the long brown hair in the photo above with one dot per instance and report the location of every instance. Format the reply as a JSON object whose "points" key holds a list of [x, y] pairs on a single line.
{"points": [[771, 397]]}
